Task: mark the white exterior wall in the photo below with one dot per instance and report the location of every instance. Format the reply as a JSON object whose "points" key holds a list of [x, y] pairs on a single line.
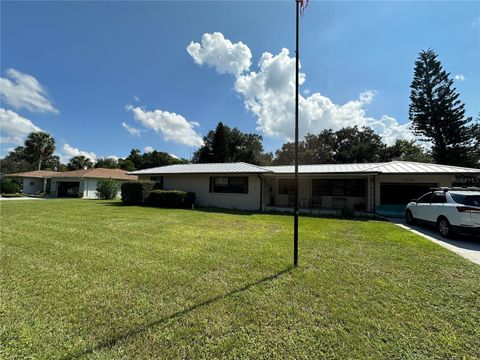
{"points": [[200, 185], [439, 179], [89, 188], [32, 185]]}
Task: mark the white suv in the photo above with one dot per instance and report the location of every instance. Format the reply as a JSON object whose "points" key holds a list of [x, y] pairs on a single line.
{"points": [[452, 210]]}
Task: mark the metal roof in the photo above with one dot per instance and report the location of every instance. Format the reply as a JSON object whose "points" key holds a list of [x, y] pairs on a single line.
{"points": [[393, 167], [410, 167], [324, 168], [217, 168]]}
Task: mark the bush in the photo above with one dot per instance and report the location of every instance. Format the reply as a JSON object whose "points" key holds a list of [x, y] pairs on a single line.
{"points": [[10, 186], [135, 192], [171, 199], [346, 212], [107, 189]]}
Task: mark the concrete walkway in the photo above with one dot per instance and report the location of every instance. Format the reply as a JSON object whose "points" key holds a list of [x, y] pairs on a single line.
{"points": [[466, 246], [20, 198]]}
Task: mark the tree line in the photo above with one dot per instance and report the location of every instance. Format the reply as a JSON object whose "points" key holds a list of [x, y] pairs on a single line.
{"points": [[436, 113]]}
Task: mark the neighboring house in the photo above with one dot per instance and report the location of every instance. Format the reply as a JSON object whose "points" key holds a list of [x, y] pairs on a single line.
{"points": [[363, 187], [77, 183]]}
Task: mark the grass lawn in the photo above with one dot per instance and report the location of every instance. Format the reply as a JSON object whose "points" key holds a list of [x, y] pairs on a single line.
{"points": [[95, 279]]}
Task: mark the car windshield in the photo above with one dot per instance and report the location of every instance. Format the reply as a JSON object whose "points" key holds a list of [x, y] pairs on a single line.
{"points": [[472, 200]]}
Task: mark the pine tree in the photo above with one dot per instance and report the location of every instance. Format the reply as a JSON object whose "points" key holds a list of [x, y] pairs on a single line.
{"points": [[220, 144], [437, 115]]}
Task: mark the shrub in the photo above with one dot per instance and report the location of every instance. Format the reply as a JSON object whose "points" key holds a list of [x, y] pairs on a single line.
{"points": [[171, 199], [135, 192], [347, 212], [107, 189], [10, 186]]}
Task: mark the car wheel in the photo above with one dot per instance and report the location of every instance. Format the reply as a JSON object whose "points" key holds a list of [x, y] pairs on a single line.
{"points": [[444, 228], [409, 217]]}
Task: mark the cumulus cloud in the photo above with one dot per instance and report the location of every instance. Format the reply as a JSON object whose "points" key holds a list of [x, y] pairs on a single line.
{"points": [[24, 91], [269, 93], [136, 98], [15, 128], [131, 130], [71, 151], [460, 77], [173, 127], [148, 149], [220, 53]]}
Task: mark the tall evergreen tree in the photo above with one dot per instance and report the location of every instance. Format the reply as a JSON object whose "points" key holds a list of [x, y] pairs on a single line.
{"points": [[436, 113], [220, 144]]}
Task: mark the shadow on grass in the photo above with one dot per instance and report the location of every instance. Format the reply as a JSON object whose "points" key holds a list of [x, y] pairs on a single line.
{"points": [[215, 210], [109, 343]]}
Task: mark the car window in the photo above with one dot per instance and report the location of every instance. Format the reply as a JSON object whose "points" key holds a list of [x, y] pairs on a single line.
{"points": [[472, 200], [438, 199], [425, 198]]}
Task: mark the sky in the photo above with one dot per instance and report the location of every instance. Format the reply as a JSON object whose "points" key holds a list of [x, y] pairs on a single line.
{"points": [[106, 77]]}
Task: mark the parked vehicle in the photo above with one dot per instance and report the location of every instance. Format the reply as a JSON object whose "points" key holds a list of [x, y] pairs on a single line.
{"points": [[451, 210]]}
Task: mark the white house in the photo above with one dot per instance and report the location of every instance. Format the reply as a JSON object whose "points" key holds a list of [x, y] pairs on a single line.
{"points": [[363, 187], [77, 183]]}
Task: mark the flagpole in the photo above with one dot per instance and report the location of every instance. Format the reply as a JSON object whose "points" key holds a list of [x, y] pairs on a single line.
{"points": [[295, 214]]}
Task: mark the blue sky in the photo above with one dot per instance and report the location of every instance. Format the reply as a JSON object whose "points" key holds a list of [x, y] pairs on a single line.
{"points": [[80, 70]]}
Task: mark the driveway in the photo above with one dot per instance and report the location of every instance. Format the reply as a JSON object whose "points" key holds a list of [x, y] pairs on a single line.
{"points": [[466, 246]]}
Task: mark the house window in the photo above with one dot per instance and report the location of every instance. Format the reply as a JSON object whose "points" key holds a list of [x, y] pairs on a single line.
{"points": [[286, 186], [229, 184], [339, 187]]}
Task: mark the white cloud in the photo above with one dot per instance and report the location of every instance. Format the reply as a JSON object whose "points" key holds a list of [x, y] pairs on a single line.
{"points": [[136, 98], [173, 127], [220, 53], [148, 149], [460, 77], [70, 151], [15, 128], [174, 156], [24, 91], [132, 130], [269, 94]]}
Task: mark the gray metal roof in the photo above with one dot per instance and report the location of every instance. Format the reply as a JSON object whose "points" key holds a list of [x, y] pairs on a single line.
{"points": [[410, 167], [393, 167], [324, 168], [215, 168]]}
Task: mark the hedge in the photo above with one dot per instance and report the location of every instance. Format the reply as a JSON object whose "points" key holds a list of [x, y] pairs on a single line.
{"points": [[10, 186], [136, 192], [170, 199]]}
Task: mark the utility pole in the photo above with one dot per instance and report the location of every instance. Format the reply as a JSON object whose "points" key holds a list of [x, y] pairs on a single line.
{"points": [[298, 4]]}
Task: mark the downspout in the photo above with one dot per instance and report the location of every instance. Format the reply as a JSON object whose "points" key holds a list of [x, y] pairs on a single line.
{"points": [[261, 192], [374, 194]]}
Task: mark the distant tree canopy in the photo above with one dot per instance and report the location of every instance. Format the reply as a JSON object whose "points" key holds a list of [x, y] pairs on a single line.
{"points": [[225, 144], [437, 115], [348, 145], [24, 158], [107, 163], [79, 162], [138, 161]]}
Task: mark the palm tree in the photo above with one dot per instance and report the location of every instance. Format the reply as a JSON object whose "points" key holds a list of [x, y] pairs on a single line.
{"points": [[79, 162], [39, 146]]}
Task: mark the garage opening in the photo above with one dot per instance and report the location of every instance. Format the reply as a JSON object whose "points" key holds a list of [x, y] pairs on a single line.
{"points": [[68, 188], [395, 196], [402, 194]]}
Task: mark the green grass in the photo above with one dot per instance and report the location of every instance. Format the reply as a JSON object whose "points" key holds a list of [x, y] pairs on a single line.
{"points": [[94, 279]]}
